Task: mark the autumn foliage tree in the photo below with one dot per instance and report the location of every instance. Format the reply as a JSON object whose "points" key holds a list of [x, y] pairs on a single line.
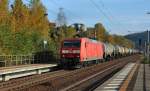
{"points": [[38, 18], [4, 27], [4, 12], [120, 40], [111, 39], [23, 28], [101, 33], [58, 34]]}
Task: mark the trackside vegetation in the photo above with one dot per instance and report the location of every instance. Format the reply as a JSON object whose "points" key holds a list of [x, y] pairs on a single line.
{"points": [[23, 28]]}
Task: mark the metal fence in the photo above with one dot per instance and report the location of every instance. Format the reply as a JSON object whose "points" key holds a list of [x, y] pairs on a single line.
{"points": [[14, 60], [40, 58]]}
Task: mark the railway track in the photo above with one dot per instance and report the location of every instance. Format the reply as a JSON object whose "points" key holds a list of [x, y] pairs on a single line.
{"points": [[65, 79], [89, 83], [15, 84]]}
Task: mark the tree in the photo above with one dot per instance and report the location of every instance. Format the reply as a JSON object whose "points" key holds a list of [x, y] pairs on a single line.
{"points": [[23, 29], [6, 42], [111, 39], [3, 12], [90, 33], [100, 32], [70, 32], [4, 28], [122, 41], [20, 16], [39, 21]]}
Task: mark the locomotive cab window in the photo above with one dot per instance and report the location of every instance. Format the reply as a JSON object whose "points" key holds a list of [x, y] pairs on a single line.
{"points": [[71, 44]]}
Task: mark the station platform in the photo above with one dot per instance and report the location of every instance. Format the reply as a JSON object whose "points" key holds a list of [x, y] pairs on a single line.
{"points": [[7, 73], [114, 83], [143, 79]]}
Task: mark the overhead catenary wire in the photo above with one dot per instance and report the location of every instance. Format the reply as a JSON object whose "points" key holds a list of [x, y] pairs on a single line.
{"points": [[101, 11], [75, 15], [108, 10]]}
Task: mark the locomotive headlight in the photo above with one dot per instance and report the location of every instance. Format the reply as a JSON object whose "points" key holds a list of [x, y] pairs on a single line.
{"points": [[72, 51], [64, 51], [76, 51]]}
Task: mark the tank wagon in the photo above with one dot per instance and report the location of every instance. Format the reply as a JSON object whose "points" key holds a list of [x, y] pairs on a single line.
{"points": [[78, 52], [109, 50]]}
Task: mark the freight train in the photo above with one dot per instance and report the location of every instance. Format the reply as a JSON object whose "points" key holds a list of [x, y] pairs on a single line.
{"points": [[79, 52]]}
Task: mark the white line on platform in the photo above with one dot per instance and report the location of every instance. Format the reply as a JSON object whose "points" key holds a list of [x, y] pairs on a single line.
{"points": [[112, 87]]}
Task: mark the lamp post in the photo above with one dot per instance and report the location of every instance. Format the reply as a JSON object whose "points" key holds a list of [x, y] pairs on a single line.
{"points": [[148, 43], [148, 46], [45, 43]]}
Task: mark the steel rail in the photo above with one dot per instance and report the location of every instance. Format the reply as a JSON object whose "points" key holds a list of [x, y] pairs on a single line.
{"points": [[59, 79]]}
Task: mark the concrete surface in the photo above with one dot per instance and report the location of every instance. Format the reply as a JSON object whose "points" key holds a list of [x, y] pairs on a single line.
{"points": [[20, 71]]}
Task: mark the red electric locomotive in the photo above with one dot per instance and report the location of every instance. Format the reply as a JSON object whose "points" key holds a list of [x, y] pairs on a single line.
{"points": [[79, 52]]}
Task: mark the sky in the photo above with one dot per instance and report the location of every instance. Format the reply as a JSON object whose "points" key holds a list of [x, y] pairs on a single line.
{"points": [[118, 16]]}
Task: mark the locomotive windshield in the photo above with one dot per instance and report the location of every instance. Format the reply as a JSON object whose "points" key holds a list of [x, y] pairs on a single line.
{"points": [[71, 44]]}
